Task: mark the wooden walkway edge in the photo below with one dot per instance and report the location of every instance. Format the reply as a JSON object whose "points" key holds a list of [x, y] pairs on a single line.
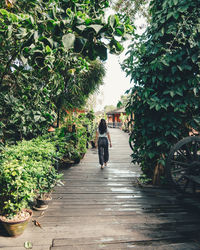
{"points": [[107, 209]]}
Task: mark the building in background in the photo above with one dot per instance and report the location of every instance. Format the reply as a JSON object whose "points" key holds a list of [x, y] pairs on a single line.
{"points": [[113, 117]]}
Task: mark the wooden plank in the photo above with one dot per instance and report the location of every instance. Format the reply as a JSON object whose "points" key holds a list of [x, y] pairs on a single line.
{"points": [[23, 248], [121, 241], [181, 246]]}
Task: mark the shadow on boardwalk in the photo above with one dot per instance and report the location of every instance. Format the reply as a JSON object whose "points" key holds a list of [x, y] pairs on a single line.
{"points": [[106, 209]]}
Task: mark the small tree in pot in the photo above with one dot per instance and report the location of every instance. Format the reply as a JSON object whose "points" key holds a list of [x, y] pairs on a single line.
{"points": [[17, 190], [47, 179], [25, 171]]}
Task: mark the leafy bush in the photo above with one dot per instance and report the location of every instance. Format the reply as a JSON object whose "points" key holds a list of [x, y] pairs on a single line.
{"points": [[24, 113], [25, 171], [17, 187], [28, 168], [165, 68], [72, 138]]}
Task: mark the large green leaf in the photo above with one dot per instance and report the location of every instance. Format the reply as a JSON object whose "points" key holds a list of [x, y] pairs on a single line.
{"points": [[68, 41], [101, 50], [113, 20], [116, 47], [96, 27], [79, 44]]}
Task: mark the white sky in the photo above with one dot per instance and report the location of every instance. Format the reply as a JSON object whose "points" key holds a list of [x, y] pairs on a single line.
{"points": [[115, 83]]}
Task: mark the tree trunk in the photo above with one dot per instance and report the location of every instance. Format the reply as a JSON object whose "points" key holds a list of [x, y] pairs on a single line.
{"points": [[158, 172]]}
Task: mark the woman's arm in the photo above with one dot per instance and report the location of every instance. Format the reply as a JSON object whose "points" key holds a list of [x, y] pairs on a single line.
{"points": [[109, 139], [96, 139]]}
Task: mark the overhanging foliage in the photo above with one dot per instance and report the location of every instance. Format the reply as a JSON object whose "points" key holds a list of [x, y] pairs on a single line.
{"points": [[165, 67], [46, 49]]}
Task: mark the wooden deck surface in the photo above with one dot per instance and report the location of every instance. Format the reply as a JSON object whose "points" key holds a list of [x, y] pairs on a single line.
{"points": [[107, 209]]}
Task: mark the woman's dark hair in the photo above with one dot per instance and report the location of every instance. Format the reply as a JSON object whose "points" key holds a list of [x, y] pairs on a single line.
{"points": [[102, 126]]}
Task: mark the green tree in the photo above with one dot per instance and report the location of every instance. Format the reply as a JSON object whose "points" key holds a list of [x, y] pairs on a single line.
{"points": [[25, 112], [80, 87], [133, 8], [48, 47], [165, 67], [123, 101], [108, 108]]}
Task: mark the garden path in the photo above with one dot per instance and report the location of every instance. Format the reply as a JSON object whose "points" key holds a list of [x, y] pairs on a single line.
{"points": [[108, 209]]}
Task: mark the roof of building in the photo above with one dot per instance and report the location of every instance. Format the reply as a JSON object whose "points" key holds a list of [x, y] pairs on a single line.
{"points": [[116, 111]]}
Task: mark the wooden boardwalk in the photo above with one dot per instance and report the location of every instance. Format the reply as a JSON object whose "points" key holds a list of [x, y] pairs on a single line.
{"points": [[107, 209]]}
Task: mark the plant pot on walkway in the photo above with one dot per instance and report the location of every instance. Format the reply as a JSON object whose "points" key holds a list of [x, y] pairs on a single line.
{"points": [[42, 203], [17, 225]]}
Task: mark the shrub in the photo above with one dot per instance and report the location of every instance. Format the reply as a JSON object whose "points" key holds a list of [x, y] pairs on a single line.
{"points": [[26, 170], [165, 69]]}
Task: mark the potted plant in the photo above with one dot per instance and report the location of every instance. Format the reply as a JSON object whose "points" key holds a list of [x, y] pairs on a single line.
{"points": [[43, 155], [24, 169], [47, 180], [17, 190]]}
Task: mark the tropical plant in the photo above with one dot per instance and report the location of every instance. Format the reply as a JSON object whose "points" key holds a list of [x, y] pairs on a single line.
{"points": [[47, 179], [124, 120], [79, 126], [165, 68], [72, 138]]}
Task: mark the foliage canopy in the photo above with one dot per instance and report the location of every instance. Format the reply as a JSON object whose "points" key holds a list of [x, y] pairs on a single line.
{"points": [[46, 54], [165, 66]]}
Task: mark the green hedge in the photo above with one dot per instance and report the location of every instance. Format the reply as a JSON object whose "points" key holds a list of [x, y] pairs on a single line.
{"points": [[27, 169]]}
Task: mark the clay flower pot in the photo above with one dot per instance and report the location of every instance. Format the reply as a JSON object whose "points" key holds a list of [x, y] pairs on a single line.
{"points": [[16, 227], [42, 203]]}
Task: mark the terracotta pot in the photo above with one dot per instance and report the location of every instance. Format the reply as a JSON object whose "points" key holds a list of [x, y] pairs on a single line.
{"points": [[16, 228], [42, 204]]}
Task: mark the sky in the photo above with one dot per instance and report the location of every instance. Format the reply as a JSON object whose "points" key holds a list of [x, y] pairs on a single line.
{"points": [[115, 82]]}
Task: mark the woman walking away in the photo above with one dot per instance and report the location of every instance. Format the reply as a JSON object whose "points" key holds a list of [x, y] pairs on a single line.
{"points": [[103, 135]]}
